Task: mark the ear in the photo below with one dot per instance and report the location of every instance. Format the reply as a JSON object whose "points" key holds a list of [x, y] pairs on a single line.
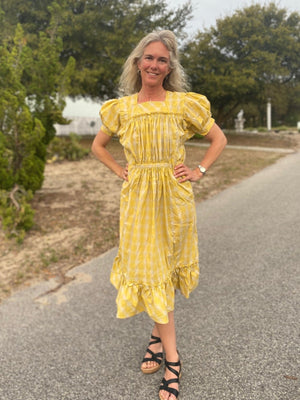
{"points": [[169, 67]]}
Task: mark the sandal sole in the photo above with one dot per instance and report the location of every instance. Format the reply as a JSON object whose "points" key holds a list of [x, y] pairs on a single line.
{"points": [[150, 370]]}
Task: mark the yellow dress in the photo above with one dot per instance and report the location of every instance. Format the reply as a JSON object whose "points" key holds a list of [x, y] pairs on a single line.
{"points": [[158, 250]]}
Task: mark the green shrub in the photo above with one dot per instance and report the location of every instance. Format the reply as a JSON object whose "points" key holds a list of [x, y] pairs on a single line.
{"points": [[66, 148], [16, 214], [6, 173], [283, 128], [262, 129], [198, 136]]}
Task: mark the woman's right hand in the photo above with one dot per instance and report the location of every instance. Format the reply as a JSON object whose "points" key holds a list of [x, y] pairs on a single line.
{"points": [[100, 151], [124, 173]]}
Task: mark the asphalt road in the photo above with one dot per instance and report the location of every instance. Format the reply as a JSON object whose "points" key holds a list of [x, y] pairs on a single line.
{"points": [[238, 334]]}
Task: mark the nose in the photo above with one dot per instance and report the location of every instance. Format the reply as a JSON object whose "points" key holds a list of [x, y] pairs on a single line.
{"points": [[153, 64]]}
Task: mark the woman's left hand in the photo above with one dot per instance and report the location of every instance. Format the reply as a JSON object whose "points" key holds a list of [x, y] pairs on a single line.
{"points": [[184, 173]]}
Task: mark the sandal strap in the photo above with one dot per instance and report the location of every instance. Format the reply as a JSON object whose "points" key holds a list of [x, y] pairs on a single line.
{"points": [[164, 386], [154, 340], [165, 383], [169, 365], [157, 357]]}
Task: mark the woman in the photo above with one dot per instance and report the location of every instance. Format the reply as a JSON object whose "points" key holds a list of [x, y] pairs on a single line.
{"points": [[158, 250]]}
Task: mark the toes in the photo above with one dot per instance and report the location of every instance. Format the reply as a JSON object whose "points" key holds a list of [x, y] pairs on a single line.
{"points": [[165, 395], [149, 364]]}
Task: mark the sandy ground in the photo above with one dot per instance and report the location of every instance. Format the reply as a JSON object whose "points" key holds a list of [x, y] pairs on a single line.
{"points": [[77, 211], [74, 211]]}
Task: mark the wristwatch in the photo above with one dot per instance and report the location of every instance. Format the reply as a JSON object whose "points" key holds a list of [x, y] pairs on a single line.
{"points": [[202, 169]]}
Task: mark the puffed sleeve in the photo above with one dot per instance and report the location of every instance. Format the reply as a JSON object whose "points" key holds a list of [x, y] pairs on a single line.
{"points": [[196, 115], [110, 117]]}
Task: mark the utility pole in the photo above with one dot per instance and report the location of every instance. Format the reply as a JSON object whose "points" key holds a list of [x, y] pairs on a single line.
{"points": [[269, 115]]}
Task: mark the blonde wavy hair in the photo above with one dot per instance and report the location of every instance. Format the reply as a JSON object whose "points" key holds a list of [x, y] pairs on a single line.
{"points": [[175, 81]]}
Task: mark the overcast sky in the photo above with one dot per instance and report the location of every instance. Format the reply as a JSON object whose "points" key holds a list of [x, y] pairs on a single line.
{"points": [[206, 12]]}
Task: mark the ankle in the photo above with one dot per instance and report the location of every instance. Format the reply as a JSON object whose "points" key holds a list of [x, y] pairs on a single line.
{"points": [[172, 356]]}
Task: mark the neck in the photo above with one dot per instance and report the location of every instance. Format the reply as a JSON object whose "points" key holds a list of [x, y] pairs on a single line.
{"points": [[151, 94]]}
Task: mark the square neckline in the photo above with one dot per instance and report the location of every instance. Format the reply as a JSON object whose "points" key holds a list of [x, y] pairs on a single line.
{"points": [[152, 101]]}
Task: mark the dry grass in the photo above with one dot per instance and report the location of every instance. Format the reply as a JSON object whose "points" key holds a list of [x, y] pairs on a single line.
{"points": [[77, 210]]}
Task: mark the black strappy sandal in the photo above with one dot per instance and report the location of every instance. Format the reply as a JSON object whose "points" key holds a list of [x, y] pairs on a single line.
{"points": [[165, 383], [156, 357]]}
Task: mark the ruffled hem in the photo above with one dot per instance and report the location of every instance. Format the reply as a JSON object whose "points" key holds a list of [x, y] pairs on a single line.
{"points": [[158, 300]]}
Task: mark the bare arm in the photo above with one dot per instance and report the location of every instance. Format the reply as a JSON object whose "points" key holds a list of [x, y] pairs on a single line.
{"points": [[99, 150], [217, 141]]}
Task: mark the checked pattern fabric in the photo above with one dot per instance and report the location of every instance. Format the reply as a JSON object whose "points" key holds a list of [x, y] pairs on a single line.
{"points": [[158, 249]]}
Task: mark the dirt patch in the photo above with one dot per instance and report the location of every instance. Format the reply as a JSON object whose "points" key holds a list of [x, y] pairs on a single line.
{"points": [[77, 209]]}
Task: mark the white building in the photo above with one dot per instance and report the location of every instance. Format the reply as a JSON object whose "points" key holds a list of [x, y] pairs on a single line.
{"points": [[84, 116], [79, 125]]}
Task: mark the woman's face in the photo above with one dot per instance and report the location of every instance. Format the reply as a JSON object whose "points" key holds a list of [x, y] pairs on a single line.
{"points": [[154, 64]]}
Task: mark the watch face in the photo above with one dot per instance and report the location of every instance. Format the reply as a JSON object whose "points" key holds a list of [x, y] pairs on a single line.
{"points": [[202, 169]]}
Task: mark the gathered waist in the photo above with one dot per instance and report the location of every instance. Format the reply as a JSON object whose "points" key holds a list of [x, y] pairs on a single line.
{"points": [[151, 165]]}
